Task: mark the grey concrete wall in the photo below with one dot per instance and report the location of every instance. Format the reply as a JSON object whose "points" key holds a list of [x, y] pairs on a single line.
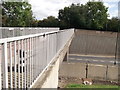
{"points": [[113, 73], [98, 72], [93, 43], [52, 79], [72, 70]]}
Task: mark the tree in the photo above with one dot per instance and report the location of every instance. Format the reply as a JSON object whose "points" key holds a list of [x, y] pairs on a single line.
{"points": [[113, 24], [72, 16], [16, 14], [92, 15], [49, 22], [96, 15]]}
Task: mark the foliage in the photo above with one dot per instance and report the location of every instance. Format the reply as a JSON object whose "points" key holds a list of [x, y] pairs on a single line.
{"points": [[113, 24], [49, 22], [96, 15], [92, 15], [16, 14]]}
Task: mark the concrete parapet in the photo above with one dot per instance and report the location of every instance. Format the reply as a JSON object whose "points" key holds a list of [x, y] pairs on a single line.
{"points": [[72, 70], [112, 73], [96, 72]]}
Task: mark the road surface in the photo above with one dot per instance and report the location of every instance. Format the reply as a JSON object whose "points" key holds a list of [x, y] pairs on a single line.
{"points": [[104, 60]]}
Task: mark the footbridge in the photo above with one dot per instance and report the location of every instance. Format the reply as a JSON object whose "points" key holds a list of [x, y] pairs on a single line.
{"points": [[30, 57]]}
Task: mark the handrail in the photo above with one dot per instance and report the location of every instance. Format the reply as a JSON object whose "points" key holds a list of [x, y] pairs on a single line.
{"points": [[24, 58]]}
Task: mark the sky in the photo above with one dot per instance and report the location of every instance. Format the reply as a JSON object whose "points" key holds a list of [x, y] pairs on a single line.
{"points": [[44, 8]]}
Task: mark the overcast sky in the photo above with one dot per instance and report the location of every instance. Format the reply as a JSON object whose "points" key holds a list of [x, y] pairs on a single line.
{"points": [[44, 8]]}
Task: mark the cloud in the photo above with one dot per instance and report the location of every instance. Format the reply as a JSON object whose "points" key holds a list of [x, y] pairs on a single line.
{"points": [[45, 8], [110, 0]]}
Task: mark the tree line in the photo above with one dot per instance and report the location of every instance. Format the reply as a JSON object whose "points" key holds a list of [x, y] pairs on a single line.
{"points": [[92, 15]]}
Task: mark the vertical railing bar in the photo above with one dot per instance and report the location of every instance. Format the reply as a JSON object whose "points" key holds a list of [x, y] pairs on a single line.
{"points": [[46, 49], [28, 50], [0, 66], [30, 60], [19, 64], [36, 57], [33, 58], [32, 79], [29, 63], [11, 79], [22, 62], [15, 81], [39, 58], [44, 53], [25, 62], [5, 76]]}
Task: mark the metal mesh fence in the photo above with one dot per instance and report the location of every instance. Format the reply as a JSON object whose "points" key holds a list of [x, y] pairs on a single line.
{"points": [[6, 32]]}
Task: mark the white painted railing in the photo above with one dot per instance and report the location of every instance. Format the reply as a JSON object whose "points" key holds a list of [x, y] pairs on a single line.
{"points": [[6, 32], [23, 59]]}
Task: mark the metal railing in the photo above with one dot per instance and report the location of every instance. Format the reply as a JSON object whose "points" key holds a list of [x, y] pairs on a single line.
{"points": [[23, 59], [6, 32]]}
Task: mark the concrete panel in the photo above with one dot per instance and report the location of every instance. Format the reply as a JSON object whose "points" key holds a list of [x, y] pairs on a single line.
{"points": [[112, 73], [97, 72], [72, 70]]}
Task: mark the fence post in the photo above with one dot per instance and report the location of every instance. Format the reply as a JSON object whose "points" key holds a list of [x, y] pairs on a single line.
{"points": [[106, 72], [116, 47], [86, 70]]}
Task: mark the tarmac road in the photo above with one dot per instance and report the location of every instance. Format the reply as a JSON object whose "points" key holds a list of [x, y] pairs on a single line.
{"points": [[102, 60]]}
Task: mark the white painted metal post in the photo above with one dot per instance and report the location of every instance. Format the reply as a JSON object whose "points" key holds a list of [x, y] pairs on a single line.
{"points": [[19, 48], [22, 61], [0, 66], [11, 74], [30, 69], [25, 58], [5, 74], [28, 50], [15, 76], [32, 49]]}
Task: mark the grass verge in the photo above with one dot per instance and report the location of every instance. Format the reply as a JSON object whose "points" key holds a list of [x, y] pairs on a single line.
{"points": [[91, 86]]}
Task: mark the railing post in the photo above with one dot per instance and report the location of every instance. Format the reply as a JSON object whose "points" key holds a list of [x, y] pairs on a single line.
{"points": [[5, 66], [11, 78], [0, 68]]}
